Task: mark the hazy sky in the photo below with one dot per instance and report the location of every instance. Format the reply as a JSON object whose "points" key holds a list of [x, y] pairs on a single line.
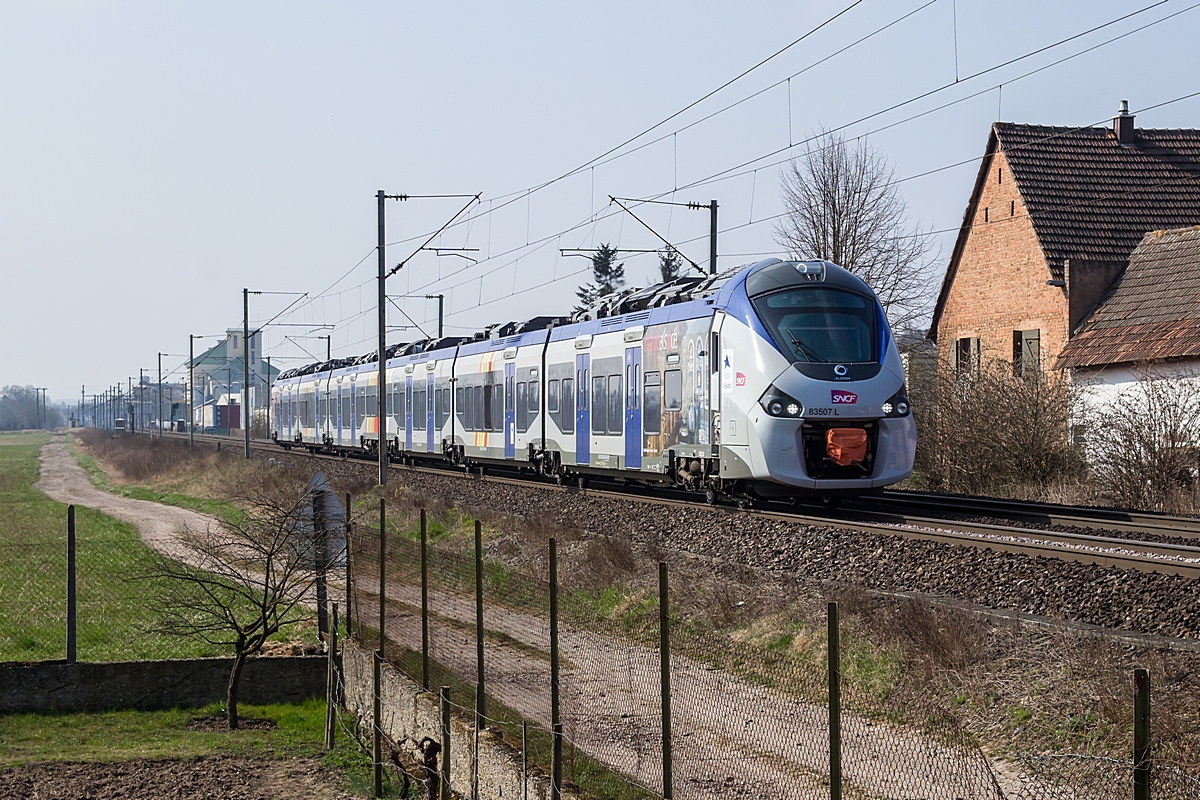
{"points": [[158, 157]]}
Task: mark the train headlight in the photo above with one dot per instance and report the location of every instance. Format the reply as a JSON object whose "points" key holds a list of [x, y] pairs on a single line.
{"points": [[897, 405], [778, 404]]}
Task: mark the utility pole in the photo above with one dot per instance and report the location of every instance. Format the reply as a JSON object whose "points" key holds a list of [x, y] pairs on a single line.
{"points": [[380, 197], [191, 422], [268, 382], [82, 401], [160, 428], [712, 238], [328, 347], [441, 298], [246, 365]]}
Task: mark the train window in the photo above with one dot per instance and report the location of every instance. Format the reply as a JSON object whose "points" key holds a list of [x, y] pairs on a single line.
{"points": [[477, 408], [345, 410], [463, 406], [360, 406], [672, 390], [599, 404], [616, 410], [552, 391], [372, 402], [652, 404], [488, 402], [522, 407], [535, 398], [445, 415], [498, 407], [568, 407], [398, 405], [820, 324], [437, 408]]}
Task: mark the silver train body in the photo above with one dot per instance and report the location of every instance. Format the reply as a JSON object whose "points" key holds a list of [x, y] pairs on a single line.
{"points": [[729, 385]]}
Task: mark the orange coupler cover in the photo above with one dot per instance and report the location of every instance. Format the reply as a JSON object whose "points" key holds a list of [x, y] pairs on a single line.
{"points": [[846, 446]]}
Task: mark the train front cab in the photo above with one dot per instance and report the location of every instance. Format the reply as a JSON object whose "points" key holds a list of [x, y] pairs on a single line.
{"points": [[805, 350]]}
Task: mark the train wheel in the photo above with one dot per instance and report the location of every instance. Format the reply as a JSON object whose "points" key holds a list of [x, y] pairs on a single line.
{"points": [[710, 496], [581, 481], [831, 502], [559, 479]]}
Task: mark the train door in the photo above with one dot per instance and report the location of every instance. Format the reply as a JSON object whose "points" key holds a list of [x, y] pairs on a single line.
{"points": [[338, 414], [353, 415], [429, 409], [408, 412], [583, 417], [510, 414], [289, 407], [720, 372], [633, 408]]}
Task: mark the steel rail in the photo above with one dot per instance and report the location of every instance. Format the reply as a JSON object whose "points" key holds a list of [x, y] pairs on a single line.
{"points": [[1050, 513], [1160, 557]]}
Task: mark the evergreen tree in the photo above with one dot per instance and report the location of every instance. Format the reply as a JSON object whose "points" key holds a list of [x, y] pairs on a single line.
{"points": [[670, 264], [607, 274]]}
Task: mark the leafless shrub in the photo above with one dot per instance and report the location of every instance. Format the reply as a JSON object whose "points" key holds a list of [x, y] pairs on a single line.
{"points": [[238, 583], [605, 561], [1144, 445], [984, 429], [137, 458]]}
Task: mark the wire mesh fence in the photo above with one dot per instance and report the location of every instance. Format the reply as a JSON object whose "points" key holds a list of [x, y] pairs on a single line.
{"points": [[529, 631]]}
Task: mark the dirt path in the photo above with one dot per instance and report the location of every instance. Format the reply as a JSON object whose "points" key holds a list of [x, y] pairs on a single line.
{"points": [[159, 526], [730, 738]]}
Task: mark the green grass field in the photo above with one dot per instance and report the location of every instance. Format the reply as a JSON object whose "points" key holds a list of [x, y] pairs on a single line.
{"points": [[127, 735], [114, 604]]}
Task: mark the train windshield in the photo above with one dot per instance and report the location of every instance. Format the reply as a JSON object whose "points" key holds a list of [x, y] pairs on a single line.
{"points": [[820, 324]]}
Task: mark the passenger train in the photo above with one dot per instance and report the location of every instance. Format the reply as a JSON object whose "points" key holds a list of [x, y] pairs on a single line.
{"points": [[780, 379]]}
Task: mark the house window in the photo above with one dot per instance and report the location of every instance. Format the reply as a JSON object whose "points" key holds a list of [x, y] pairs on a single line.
{"points": [[966, 355], [1027, 353]]}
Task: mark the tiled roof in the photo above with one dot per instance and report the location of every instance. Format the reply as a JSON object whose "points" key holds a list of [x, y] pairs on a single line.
{"points": [[1092, 198], [1153, 311]]}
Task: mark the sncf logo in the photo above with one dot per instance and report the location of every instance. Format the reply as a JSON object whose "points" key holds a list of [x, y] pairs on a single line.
{"points": [[843, 398]]}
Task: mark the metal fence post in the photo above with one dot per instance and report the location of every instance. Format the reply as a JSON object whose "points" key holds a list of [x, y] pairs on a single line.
{"points": [[475, 750], [664, 657], [349, 573], [480, 713], [382, 576], [376, 727], [1141, 734], [835, 705], [445, 786], [331, 682], [555, 723], [424, 605], [71, 613], [524, 759]]}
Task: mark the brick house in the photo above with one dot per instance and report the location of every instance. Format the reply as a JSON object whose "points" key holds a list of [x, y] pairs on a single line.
{"points": [[1049, 229]]}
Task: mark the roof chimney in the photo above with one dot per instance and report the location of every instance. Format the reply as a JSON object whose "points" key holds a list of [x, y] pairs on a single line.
{"points": [[1123, 124]]}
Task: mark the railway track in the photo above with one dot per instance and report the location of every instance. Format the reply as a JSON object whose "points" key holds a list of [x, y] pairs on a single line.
{"points": [[1125, 553]]}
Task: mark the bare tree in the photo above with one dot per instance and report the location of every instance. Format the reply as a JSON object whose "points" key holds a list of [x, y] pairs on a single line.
{"points": [[843, 205], [239, 583]]}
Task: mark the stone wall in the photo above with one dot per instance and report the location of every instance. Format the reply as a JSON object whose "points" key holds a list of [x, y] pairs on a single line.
{"points": [[410, 714], [59, 686]]}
